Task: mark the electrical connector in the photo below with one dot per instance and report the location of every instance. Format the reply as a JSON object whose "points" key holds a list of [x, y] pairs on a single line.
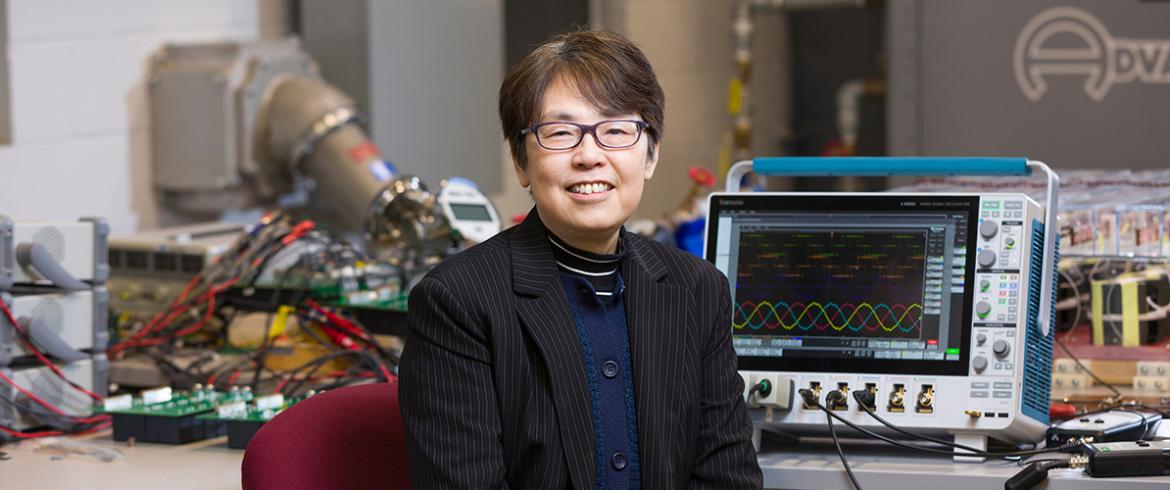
{"points": [[771, 390], [866, 398], [761, 389], [836, 400]]}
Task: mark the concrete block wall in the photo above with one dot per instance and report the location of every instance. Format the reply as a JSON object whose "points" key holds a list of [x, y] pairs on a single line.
{"points": [[79, 107], [81, 128]]}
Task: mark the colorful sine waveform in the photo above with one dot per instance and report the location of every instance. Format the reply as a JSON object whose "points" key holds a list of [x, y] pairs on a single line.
{"points": [[823, 316], [832, 282]]}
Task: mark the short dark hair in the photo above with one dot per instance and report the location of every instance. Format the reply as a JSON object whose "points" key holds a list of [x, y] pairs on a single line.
{"points": [[609, 70]]}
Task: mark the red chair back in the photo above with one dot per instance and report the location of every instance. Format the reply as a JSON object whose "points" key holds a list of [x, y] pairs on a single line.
{"points": [[348, 438]]}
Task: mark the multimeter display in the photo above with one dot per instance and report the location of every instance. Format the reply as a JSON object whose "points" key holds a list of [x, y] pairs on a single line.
{"points": [[472, 212]]}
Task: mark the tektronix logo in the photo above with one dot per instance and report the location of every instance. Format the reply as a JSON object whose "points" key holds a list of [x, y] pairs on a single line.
{"points": [[1067, 41]]}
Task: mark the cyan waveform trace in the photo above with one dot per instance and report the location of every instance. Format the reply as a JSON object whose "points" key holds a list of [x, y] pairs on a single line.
{"points": [[823, 316]]}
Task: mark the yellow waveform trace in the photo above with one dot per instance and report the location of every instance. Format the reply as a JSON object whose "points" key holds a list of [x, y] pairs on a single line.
{"points": [[816, 304]]}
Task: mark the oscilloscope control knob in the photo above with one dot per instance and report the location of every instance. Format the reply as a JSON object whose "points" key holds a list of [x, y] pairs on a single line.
{"points": [[1000, 348], [980, 339], [987, 258], [988, 228], [984, 285], [982, 309], [979, 363]]}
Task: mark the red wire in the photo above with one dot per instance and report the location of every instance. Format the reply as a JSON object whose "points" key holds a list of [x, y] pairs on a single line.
{"points": [[208, 297], [211, 294], [188, 288], [386, 373], [232, 379], [49, 406], [170, 313], [30, 435], [95, 418], [338, 319], [201, 323], [51, 433], [101, 426], [164, 318], [334, 374], [41, 357]]}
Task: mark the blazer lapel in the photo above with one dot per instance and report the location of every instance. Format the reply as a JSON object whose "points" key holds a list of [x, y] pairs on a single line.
{"points": [[544, 313], [656, 318]]}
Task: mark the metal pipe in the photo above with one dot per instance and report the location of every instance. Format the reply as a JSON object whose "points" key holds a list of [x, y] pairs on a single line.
{"points": [[849, 97], [742, 29], [849, 112], [312, 129]]}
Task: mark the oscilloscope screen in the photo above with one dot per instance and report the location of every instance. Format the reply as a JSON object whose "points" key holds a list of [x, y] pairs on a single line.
{"points": [[833, 283], [861, 283]]}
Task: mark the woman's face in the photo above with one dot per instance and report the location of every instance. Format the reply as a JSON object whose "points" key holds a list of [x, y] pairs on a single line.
{"points": [[584, 194]]}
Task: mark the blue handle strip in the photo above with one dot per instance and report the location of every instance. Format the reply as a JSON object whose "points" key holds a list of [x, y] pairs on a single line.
{"points": [[880, 166]]}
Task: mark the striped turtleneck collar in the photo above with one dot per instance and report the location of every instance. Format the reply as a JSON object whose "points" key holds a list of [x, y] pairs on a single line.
{"points": [[599, 269]]}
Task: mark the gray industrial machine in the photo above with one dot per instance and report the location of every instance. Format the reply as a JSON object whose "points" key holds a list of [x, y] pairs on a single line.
{"points": [[1082, 82], [66, 254], [52, 277], [149, 268], [65, 325], [24, 413], [243, 125]]}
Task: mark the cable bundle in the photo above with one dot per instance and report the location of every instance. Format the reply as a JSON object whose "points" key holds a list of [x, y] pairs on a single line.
{"points": [[810, 399], [197, 319]]}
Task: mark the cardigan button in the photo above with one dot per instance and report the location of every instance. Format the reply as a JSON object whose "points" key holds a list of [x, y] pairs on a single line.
{"points": [[618, 461], [609, 369]]}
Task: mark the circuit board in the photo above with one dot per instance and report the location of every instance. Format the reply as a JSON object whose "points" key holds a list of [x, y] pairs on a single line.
{"points": [[258, 409], [395, 303], [163, 416], [178, 404], [244, 418]]}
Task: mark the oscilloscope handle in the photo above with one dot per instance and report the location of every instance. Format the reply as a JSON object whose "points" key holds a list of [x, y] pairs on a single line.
{"points": [[923, 166]]}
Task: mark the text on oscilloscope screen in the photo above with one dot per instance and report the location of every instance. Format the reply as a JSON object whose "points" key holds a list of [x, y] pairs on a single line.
{"points": [[856, 284]]}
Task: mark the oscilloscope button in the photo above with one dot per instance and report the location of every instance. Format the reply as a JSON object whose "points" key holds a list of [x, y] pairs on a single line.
{"points": [[1000, 348], [982, 309], [980, 363], [988, 228], [987, 258]]}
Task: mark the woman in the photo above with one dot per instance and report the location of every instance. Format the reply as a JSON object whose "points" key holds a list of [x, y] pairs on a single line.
{"points": [[567, 352]]}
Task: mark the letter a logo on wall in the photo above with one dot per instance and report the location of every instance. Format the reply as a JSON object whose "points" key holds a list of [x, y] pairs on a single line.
{"points": [[1067, 41]]}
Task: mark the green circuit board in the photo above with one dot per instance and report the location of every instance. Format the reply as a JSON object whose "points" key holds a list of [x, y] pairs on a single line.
{"points": [[249, 411], [178, 404]]}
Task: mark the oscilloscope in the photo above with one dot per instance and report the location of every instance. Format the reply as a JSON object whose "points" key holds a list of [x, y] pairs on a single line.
{"points": [[929, 302]]}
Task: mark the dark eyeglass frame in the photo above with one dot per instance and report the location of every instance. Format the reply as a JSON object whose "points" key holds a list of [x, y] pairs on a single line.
{"points": [[587, 129]]}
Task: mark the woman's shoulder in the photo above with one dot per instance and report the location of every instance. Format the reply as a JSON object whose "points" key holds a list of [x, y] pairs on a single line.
{"points": [[485, 259], [681, 265]]}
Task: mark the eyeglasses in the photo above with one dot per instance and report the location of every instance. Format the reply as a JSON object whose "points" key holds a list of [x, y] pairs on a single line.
{"points": [[566, 135]]}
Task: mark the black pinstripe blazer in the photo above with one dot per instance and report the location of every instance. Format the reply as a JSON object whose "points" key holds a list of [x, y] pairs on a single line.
{"points": [[492, 383]]}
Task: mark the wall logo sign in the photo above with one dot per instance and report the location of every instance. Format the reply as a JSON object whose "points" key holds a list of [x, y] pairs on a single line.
{"points": [[1044, 51]]}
